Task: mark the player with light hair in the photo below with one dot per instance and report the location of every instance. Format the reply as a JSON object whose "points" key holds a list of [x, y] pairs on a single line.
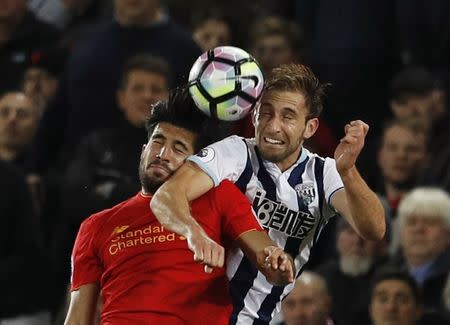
{"points": [[294, 191]]}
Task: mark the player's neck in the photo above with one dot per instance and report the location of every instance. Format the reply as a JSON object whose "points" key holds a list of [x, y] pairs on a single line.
{"points": [[289, 161], [145, 193]]}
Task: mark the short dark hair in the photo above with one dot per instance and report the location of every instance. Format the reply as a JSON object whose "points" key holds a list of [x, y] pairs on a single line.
{"points": [[144, 62], [180, 110], [393, 273], [412, 81], [298, 77]]}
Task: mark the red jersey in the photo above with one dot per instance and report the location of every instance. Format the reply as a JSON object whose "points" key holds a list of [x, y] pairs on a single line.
{"points": [[147, 274]]}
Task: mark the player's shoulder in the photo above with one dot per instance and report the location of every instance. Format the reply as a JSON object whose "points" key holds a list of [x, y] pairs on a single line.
{"points": [[226, 186], [324, 160], [232, 140], [229, 148], [223, 195], [98, 219]]}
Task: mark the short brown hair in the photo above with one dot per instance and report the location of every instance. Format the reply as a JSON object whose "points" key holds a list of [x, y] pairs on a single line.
{"points": [[299, 78]]}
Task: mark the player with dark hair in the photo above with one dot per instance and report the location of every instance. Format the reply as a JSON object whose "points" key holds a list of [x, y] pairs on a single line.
{"points": [[294, 191], [146, 273]]}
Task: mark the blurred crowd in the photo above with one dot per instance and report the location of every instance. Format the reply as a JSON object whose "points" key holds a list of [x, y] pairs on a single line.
{"points": [[77, 78]]}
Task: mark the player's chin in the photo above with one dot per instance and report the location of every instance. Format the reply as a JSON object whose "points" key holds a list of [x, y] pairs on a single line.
{"points": [[272, 153]]}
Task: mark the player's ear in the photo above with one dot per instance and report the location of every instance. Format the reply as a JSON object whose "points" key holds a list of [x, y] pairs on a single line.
{"points": [[311, 127]]}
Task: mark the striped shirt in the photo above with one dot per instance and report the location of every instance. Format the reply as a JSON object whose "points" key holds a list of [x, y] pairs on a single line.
{"points": [[293, 206]]}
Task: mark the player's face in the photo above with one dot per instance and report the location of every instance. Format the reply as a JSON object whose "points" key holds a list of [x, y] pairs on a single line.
{"points": [[165, 152], [142, 90], [18, 120], [401, 155], [305, 305], [281, 127], [393, 303], [423, 239]]}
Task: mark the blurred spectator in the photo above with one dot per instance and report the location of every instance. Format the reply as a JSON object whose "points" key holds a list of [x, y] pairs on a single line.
{"points": [[19, 119], [349, 275], [309, 302], [401, 159], [394, 299], [239, 13], [212, 29], [21, 33], [85, 98], [424, 227], [41, 77], [275, 41], [416, 92], [24, 271]]}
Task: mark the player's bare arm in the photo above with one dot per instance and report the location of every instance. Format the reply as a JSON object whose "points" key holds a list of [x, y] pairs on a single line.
{"points": [[170, 204], [357, 203], [276, 265], [83, 304]]}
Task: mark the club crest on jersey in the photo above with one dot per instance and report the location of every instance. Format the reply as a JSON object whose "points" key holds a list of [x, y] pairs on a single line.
{"points": [[206, 154], [306, 192]]}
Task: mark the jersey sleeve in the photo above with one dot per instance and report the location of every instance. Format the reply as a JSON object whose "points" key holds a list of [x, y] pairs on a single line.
{"points": [[86, 266], [237, 213], [225, 159], [332, 182]]}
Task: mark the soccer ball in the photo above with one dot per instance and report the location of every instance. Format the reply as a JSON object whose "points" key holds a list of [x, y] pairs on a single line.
{"points": [[226, 83]]}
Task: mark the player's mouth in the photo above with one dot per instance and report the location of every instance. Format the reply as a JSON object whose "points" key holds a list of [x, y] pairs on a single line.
{"points": [[272, 141], [160, 168]]}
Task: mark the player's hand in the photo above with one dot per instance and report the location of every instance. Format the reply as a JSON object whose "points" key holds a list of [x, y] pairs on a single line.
{"points": [[350, 145], [279, 266], [206, 251]]}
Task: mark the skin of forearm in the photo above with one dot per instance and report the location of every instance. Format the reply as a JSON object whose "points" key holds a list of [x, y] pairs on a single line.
{"points": [[253, 244], [365, 207], [173, 211]]}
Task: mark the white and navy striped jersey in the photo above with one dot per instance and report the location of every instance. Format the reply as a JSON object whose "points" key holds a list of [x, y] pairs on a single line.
{"points": [[293, 206]]}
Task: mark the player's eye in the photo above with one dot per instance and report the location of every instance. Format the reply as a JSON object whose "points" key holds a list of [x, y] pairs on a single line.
{"points": [[179, 149]]}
